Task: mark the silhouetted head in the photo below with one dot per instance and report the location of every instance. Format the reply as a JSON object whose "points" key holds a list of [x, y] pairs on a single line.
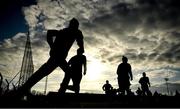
{"points": [[107, 82], [79, 52], [144, 74], [124, 59], [74, 24]]}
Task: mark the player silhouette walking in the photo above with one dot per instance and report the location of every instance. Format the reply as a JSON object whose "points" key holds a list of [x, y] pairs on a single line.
{"points": [[76, 63], [124, 74]]}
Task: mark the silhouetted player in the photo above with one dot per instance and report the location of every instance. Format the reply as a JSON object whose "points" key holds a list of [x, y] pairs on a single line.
{"points": [[145, 84], [124, 74], [60, 46], [107, 87], [76, 63]]}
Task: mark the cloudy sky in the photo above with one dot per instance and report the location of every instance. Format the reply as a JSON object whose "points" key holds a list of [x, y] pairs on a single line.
{"points": [[146, 31]]}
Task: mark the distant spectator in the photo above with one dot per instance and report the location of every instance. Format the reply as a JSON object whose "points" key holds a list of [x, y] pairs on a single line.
{"points": [[156, 94], [107, 87], [145, 84], [139, 92], [130, 93], [177, 93]]}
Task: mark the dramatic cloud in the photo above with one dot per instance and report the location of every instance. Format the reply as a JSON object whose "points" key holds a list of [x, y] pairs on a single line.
{"points": [[147, 32]]}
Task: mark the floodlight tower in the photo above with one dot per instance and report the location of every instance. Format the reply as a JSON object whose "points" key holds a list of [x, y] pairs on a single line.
{"points": [[27, 67]]}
